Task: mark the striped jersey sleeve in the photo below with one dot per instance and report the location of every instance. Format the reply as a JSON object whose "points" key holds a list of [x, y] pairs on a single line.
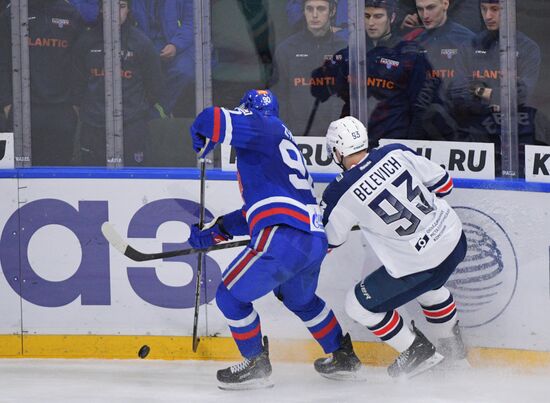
{"points": [[432, 175], [238, 127]]}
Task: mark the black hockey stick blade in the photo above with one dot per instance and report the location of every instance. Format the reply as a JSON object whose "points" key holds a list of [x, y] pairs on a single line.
{"points": [[116, 240]]}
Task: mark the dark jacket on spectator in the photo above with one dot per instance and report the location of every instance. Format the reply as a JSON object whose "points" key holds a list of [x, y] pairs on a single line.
{"points": [[295, 59], [480, 68], [141, 74], [54, 26], [444, 48]]}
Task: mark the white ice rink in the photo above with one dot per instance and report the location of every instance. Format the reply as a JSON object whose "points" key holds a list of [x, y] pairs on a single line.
{"points": [[47, 380]]}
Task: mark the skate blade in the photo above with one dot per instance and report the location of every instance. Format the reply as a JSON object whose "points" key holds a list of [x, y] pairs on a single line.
{"points": [[425, 365], [264, 383], [355, 376]]}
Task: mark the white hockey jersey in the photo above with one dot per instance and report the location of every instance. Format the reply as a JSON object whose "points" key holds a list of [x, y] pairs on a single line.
{"points": [[391, 195]]}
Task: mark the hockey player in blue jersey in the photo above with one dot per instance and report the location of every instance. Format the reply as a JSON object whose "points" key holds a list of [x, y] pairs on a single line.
{"points": [[288, 241], [394, 196]]}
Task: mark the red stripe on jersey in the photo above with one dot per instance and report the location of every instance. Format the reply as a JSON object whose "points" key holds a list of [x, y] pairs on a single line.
{"points": [[440, 313], [446, 187], [216, 130], [248, 335], [278, 210], [324, 331], [264, 238], [235, 272], [389, 327]]}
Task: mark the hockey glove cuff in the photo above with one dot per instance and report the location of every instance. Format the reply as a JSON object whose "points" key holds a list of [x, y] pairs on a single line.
{"points": [[198, 141], [212, 234]]}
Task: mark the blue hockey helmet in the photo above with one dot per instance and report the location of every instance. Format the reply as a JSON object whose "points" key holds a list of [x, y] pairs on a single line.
{"points": [[261, 100]]}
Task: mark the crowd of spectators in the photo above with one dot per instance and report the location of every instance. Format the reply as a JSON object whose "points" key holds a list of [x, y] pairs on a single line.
{"points": [[433, 71], [67, 77], [430, 77]]}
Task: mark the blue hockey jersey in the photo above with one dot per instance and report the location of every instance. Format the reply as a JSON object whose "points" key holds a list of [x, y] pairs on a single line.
{"points": [[275, 184]]}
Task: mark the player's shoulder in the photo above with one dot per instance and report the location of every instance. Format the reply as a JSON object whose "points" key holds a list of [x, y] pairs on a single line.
{"points": [[380, 152], [345, 180]]}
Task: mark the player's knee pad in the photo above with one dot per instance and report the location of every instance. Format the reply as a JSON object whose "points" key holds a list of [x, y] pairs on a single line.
{"points": [[229, 304], [223, 297], [358, 312], [434, 297]]}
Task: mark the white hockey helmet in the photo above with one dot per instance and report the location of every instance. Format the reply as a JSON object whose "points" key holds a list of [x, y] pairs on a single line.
{"points": [[346, 136]]}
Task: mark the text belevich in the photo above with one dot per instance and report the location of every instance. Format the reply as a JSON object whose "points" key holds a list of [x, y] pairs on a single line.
{"points": [[374, 180]]}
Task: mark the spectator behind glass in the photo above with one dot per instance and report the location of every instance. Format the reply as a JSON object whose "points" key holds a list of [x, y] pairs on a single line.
{"points": [[463, 12], [442, 42], [397, 76], [169, 24], [296, 21], [54, 26], [140, 71], [476, 90], [295, 58]]}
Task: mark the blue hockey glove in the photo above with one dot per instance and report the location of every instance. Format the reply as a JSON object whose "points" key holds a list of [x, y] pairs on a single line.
{"points": [[198, 141], [202, 145], [212, 234]]}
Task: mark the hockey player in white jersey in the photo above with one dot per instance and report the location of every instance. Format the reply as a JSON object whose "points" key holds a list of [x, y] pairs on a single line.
{"points": [[393, 194]]}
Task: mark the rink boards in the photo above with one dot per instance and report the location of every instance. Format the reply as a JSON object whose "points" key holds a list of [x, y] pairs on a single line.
{"points": [[66, 293]]}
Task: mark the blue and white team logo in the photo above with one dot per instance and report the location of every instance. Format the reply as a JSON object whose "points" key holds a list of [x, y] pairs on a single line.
{"points": [[266, 100], [485, 282]]}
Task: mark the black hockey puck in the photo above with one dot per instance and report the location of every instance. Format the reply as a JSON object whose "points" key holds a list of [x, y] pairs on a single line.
{"points": [[144, 351]]}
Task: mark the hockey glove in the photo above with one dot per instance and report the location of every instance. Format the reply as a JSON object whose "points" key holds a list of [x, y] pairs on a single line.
{"points": [[212, 234], [202, 145]]}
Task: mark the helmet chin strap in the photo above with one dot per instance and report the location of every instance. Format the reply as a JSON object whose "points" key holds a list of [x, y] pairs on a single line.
{"points": [[338, 161]]}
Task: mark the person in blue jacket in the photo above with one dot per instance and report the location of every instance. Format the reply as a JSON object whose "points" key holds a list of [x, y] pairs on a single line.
{"points": [[88, 10], [169, 24]]}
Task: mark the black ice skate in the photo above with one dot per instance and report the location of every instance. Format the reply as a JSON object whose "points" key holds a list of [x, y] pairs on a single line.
{"points": [[419, 357], [454, 350], [343, 364], [250, 374]]}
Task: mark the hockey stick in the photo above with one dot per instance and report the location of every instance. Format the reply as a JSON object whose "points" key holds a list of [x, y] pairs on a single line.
{"points": [[200, 261], [122, 246], [312, 116]]}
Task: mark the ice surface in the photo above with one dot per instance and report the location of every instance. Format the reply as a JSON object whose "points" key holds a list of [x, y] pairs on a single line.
{"points": [[48, 380]]}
